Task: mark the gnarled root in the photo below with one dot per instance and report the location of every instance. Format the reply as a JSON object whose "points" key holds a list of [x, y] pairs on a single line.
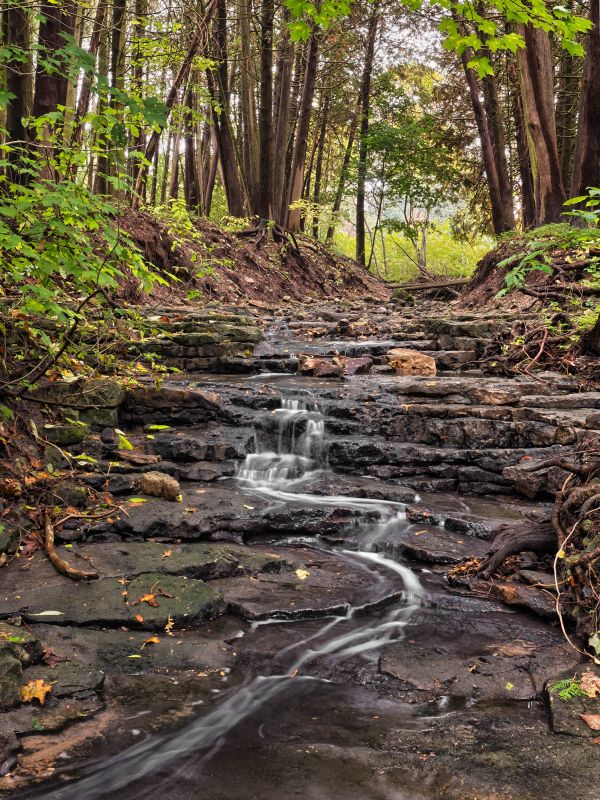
{"points": [[58, 562], [515, 537]]}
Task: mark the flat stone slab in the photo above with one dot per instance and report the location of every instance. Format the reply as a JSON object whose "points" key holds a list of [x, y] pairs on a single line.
{"points": [[104, 602], [495, 656], [430, 544], [207, 649], [321, 585], [203, 561]]}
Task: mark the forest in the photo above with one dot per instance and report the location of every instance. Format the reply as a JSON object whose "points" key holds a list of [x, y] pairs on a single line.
{"points": [[299, 399]]}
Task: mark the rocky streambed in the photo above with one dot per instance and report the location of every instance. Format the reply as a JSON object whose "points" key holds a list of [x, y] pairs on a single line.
{"points": [[287, 625]]}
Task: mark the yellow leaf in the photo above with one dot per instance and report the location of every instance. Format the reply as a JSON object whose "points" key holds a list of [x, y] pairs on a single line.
{"points": [[35, 690], [167, 554], [561, 554], [302, 574], [139, 618], [169, 626], [151, 640]]}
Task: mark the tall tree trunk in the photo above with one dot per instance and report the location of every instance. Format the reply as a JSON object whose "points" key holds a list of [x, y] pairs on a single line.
{"points": [[86, 87], [174, 182], [282, 115], [339, 193], [51, 89], [319, 165], [501, 203], [227, 151], [586, 170], [180, 78], [537, 88], [265, 122], [527, 198], [365, 92], [191, 183], [567, 107], [100, 183], [16, 33], [251, 148], [297, 170], [495, 121]]}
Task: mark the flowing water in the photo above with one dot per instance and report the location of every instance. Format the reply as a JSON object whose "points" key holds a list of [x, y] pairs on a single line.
{"points": [[291, 448]]}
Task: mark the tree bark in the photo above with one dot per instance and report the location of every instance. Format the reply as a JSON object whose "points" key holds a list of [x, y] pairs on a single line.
{"points": [[527, 197], [319, 165], [86, 87], [496, 125], [251, 148], [500, 201], [265, 122], [339, 193], [16, 33], [567, 107], [297, 171], [586, 169], [537, 91], [180, 78], [365, 92], [282, 116]]}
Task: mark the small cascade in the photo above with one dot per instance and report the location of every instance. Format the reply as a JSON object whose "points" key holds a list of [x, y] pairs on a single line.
{"points": [[290, 443]]}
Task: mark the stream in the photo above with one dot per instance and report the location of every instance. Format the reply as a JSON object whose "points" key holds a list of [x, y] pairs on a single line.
{"points": [[320, 650]]}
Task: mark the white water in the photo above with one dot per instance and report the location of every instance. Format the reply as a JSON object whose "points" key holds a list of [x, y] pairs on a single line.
{"points": [[266, 472]]}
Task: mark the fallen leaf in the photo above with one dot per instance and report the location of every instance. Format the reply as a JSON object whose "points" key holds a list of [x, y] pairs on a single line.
{"points": [[35, 690], [167, 554], [139, 618], [48, 614], [250, 508], [151, 640], [150, 599], [590, 683], [137, 501], [135, 655], [592, 721], [302, 574], [51, 658]]}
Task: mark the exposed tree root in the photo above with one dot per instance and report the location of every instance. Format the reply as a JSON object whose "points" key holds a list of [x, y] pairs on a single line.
{"points": [[513, 538], [280, 235], [60, 564]]}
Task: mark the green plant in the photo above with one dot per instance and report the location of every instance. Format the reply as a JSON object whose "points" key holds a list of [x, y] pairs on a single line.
{"points": [[589, 214], [568, 689]]}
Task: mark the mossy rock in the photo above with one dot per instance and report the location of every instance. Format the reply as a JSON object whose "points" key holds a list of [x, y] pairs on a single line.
{"points": [[402, 297]]}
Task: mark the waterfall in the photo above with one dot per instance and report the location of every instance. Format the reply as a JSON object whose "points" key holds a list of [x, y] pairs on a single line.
{"points": [[290, 443]]}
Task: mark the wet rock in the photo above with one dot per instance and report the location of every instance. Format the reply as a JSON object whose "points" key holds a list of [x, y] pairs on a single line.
{"points": [[158, 484], [10, 678], [18, 640], [67, 679], [102, 603], [411, 362], [565, 714], [319, 367], [489, 656], [430, 545], [204, 444], [357, 366], [9, 539], [319, 585]]}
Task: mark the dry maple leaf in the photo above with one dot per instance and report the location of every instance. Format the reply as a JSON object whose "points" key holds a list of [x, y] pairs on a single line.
{"points": [[590, 684], [150, 599], [167, 554], [35, 690], [592, 721]]}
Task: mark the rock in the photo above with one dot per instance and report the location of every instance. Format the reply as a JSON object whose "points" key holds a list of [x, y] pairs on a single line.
{"points": [[21, 643], [11, 680], [357, 366], [158, 484], [72, 494], [9, 538], [102, 603], [66, 433], [401, 297], [67, 679], [411, 362], [319, 367]]}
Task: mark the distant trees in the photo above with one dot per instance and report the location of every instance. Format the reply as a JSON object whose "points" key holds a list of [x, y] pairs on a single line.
{"points": [[258, 109]]}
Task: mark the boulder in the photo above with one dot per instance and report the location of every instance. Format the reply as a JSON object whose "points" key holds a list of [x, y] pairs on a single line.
{"points": [[11, 673], [411, 362], [159, 484]]}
